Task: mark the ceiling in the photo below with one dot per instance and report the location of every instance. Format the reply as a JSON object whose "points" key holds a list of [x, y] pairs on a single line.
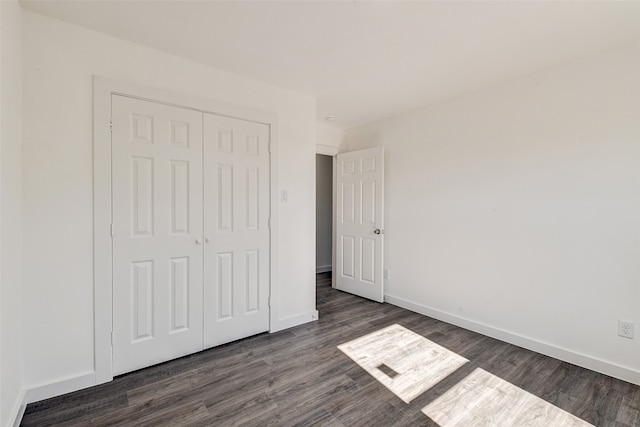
{"points": [[365, 61]]}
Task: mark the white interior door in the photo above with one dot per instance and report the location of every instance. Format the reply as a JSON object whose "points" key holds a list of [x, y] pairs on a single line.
{"points": [[236, 218], [157, 228], [360, 223]]}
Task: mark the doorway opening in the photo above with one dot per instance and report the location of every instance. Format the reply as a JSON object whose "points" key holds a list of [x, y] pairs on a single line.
{"points": [[354, 182], [324, 214]]}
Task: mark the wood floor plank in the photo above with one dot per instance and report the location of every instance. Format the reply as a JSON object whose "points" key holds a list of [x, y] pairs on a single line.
{"points": [[299, 377], [628, 413], [187, 414]]}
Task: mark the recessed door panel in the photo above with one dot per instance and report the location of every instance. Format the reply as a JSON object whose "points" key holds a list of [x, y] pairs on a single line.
{"points": [[179, 197], [142, 195], [142, 301], [368, 202], [225, 197], [368, 259], [348, 211], [179, 294], [348, 247], [252, 280], [141, 128], [179, 134], [348, 166], [225, 286], [225, 140], [252, 198], [368, 164]]}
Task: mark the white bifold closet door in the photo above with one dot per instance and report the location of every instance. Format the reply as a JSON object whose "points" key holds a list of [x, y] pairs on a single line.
{"points": [[157, 220], [236, 229], [190, 231]]}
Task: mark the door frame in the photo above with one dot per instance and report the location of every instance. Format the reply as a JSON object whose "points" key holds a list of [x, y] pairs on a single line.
{"points": [[103, 88], [333, 151]]}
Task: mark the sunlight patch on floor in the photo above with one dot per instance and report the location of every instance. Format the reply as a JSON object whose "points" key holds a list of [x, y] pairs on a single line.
{"points": [[408, 364], [483, 399]]}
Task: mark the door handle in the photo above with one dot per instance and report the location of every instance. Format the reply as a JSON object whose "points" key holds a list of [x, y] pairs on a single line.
{"points": [[377, 231]]}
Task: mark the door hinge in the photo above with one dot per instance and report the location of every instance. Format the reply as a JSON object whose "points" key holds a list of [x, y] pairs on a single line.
{"points": [[269, 223], [111, 229], [111, 125], [112, 339], [269, 302], [269, 146]]}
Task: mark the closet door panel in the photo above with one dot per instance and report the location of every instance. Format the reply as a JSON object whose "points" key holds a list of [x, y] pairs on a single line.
{"points": [[157, 233], [236, 229]]}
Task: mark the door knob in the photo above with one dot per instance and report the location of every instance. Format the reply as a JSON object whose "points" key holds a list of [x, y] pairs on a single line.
{"points": [[206, 240], [197, 241], [377, 231]]}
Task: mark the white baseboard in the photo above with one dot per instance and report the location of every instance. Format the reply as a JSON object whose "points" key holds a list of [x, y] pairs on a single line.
{"points": [[57, 388], [15, 417], [296, 320], [323, 269], [585, 361]]}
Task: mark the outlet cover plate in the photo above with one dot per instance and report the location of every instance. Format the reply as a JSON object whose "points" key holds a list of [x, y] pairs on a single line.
{"points": [[625, 329]]}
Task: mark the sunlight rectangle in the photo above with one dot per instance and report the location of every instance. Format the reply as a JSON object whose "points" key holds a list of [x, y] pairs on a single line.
{"points": [[408, 364], [483, 399]]}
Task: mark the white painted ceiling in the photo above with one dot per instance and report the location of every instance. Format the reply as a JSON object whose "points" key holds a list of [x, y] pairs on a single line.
{"points": [[365, 61]]}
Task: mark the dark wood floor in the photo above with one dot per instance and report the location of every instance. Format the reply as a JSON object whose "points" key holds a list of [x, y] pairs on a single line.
{"points": [[300, 377]]}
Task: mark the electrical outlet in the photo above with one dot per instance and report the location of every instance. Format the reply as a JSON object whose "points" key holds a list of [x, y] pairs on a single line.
{"points": [[625, 329]]}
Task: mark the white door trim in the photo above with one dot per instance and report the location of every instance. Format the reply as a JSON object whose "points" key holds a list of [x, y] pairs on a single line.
{"points": [[103, 88], [327, 150]]}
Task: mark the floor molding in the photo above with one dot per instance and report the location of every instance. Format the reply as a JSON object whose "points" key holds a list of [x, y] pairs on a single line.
{"points": [[296, 320], [18, 411], [585, 361], [63, 386], [323, 269]]}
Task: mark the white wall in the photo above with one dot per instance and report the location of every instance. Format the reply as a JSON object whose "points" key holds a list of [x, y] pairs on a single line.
{"points": [[58, 63], [324, 213], [11, 330], [514, 210], [329, 140]]}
